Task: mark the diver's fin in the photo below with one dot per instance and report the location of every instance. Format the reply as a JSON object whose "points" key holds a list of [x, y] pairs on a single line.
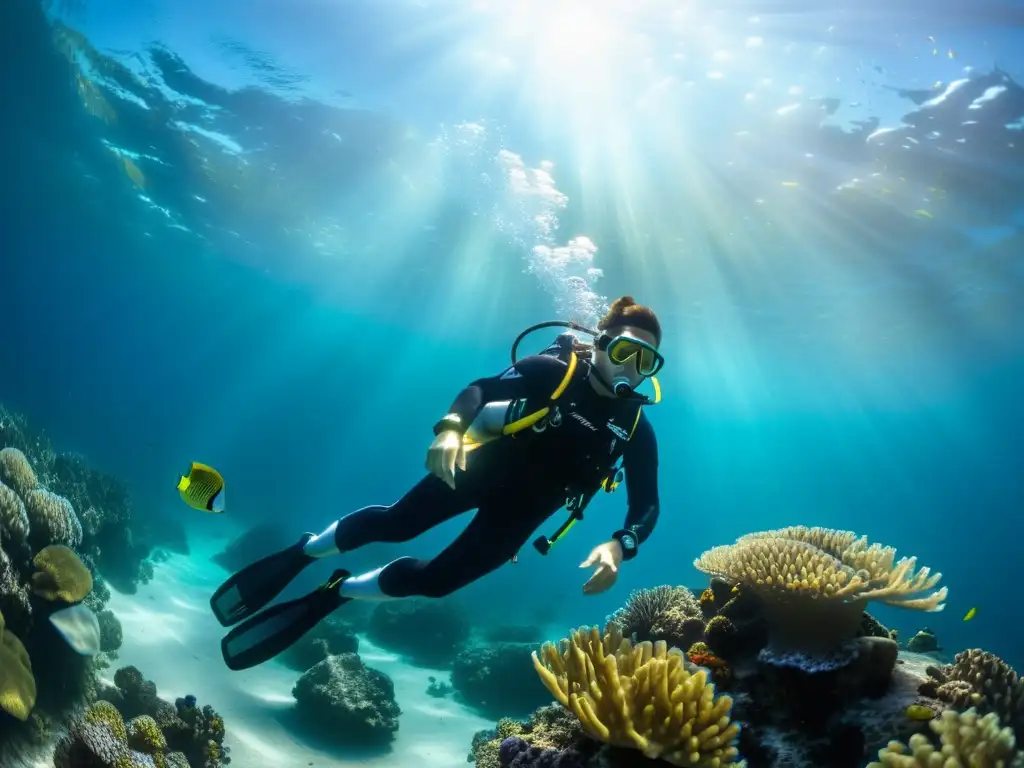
{"points": [[256, 585], [268, 633]]}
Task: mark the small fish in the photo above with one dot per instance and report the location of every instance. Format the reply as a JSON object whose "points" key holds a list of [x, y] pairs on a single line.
{"points": [[202, 488], [971, 614], [79, 626], [951, 54], [791, 184], [919, 712], [922, 212]]}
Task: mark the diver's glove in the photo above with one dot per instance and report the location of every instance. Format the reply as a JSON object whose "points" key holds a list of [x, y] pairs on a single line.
{"points": [[445, 453], [607, 557]]}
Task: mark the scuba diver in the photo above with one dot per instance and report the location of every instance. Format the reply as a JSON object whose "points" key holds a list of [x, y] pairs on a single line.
{"points": [[552, 430]]}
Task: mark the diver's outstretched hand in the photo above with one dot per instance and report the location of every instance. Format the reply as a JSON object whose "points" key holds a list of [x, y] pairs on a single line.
{"points": [[607, 557], [444, 454]]}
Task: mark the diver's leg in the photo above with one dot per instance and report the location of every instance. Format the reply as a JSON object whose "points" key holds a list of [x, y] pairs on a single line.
{"points": [[497, 532], [428, 503]]}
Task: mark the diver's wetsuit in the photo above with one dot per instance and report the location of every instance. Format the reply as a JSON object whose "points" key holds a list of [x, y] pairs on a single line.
{"points": [[515, 482]]}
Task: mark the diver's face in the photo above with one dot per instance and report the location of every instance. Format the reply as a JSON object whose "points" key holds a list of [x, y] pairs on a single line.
{"points": [[609, 370]]}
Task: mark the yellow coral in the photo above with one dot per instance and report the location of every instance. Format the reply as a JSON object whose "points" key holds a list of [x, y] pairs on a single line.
{"points": [[832, 574], [106, 713], [966, 741], [61, 575], [16, 471], [145, 735], [644, 696], [17, 684]]}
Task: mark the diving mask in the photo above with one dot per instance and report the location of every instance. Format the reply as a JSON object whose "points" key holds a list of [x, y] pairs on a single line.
{"points": [[622, 349]]}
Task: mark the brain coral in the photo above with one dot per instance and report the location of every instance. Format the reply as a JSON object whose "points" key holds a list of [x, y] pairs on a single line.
{"points": [[52, 519], [61, 575]]}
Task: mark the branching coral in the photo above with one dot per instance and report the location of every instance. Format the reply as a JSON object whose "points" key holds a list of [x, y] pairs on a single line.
{"points": [[52, 519], [644, 697], [982, 680], [815, 582], [61, 576], [965, 741]]}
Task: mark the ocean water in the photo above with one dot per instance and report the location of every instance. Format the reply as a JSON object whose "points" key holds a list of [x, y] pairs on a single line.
{"points": [[279, 237]]}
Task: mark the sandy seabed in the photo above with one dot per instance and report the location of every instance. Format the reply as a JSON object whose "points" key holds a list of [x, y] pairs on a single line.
{"points": [[174, 640]]}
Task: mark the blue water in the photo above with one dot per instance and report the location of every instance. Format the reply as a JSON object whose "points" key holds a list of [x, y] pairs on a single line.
{"points": [[318, 243]]}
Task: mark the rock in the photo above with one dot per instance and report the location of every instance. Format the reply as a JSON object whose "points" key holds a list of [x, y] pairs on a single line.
{"points": [[343, 699]]}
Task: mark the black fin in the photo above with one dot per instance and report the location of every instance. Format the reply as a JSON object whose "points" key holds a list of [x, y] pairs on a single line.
{"points": [[254, 586], [268, 633]]}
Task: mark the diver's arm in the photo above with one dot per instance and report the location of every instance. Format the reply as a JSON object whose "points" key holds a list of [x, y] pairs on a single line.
{"points": [[534, 376], [640, 462]]}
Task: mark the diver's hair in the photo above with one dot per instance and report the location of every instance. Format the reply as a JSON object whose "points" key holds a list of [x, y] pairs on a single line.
{"points": [[625, 311]]}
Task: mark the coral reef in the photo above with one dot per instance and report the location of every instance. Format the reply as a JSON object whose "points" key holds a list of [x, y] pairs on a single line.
{"points": [[552, 728], [666, 613], [196, 733], [812, 678], [101, 739], [52, 519], [13, 517], [981, 680], [497, 679], [61, 576], [964, 739], [17, 683], [814, 584], [427, 632], [644, 697], [343, 698]]}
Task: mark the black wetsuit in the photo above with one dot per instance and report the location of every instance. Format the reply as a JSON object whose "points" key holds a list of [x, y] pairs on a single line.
{"points": [[515, 482]]}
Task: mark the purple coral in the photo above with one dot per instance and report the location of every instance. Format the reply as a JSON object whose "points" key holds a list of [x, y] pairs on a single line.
{"points": [[509, 748]]}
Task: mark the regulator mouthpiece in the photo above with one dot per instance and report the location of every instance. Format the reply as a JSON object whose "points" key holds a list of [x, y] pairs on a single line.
{"points": [[621, 387]]}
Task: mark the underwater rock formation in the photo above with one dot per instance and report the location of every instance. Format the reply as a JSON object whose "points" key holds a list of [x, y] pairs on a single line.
{"points": [[498, 679], [924, 641], [330, 637], [345, 700], [427, 632]]}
